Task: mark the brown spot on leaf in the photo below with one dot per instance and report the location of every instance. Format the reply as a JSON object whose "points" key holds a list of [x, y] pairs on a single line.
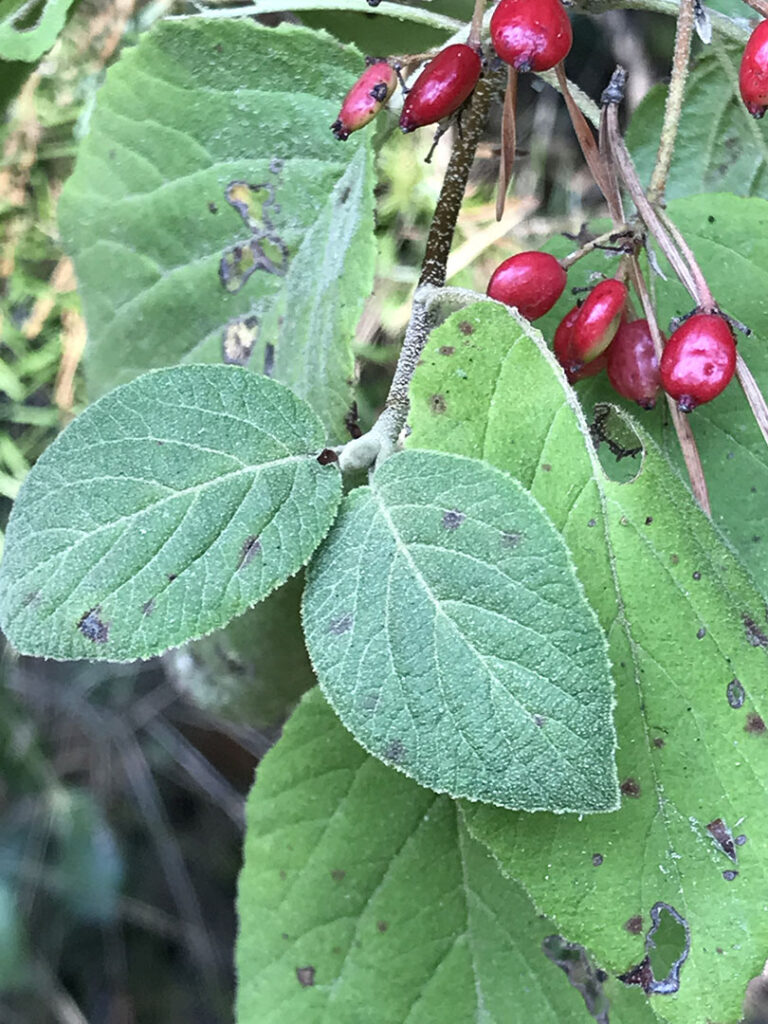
{"points": [[701, 633], [597, 859], [634, 925], [722, 836], [754, 723], [93, 628], [658, 742], [466, 327], [740, 840], [755, 635], [641, 975], [730, 875], [674, 559], [306, 976], [212, 207], [446, 350], [546, 467], [337, 874], [341, 625], [697, 576], [148, 607], [539, 720], [382, 925], [630, 787], [648, 520], [437, 404], [283, 874], [172, 576], [510, 538], [251, 547], [453, 519]]}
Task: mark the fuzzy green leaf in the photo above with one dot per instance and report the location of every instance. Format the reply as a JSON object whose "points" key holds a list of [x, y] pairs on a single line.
{"points": [[167, 508], [210, 198], [29, 28], [719, 146], [686, 629], [364, 901], [447, 629]]}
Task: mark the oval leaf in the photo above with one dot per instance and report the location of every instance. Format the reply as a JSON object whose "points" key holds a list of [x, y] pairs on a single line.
{"points": [[167, 508], [210, 197], [363, 899], [687, 633], [448, 631]]}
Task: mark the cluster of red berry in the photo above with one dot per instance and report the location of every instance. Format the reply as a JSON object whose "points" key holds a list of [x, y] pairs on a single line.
{"points": [[699, 360], [529, 35]]}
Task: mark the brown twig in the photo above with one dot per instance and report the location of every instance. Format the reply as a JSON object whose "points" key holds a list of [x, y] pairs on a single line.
{"points": [[706, 301], [674, 105], [606, 241], [508, 141], [476, 28]]}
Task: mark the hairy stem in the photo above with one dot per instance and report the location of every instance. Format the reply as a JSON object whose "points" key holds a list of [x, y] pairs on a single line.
{"points": [[380, 441], [674, 105]]}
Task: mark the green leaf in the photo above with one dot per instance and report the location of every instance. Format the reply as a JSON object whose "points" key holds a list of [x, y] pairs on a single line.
{"points": [[729, 236], [685, 628], [167, 508], [364, 901], [29, 27], [719, 146], [447, 630], [210, 197]]}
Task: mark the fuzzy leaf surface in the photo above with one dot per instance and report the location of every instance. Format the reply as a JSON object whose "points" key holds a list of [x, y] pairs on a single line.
{"points": [[446, 628], [369, 889], [719, 146], [210, 194], [20, 40], [684, 624], [167, 508]]}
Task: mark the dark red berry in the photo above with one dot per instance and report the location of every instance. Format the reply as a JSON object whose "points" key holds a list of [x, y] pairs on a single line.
{"points": [[699, 360], [532, 281], [365, 99], [531, 35], [598, 320], [753, 73], [633, 368], [442, 87], [562, 345]]}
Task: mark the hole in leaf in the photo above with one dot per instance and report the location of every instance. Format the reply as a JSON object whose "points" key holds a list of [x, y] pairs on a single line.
{"points": [[619, 449], [581, 973], [667, 946]]}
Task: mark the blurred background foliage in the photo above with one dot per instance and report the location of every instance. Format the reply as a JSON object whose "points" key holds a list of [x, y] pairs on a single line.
{"points": [[122, 787]]}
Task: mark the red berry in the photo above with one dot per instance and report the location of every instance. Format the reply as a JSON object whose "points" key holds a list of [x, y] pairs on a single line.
{"points": [[442, 87], [699, 360], [753, 73], [531, 35], [365, 99], [598, 320], [633, 368], [532, 281], [574, 370]]}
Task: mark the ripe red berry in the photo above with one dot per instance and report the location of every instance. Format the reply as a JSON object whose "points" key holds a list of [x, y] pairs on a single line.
{"points": [[753, 73], [598, 320], [699, 360], [442, 87], [531, 35], [574, 369], [365, 99], [633, 368], [532, 281]]}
